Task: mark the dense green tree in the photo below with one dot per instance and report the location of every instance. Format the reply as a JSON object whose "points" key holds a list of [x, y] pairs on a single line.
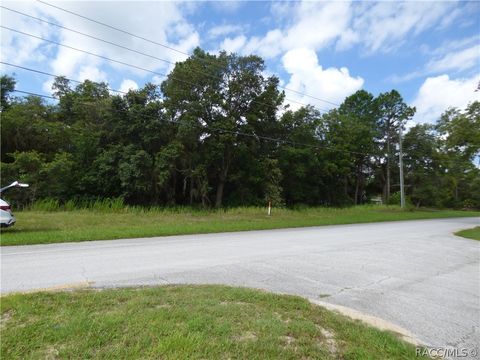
{"points": [[422, 165], [7, 85], [392, 114], [357, 126], [461, 130], [29, 124], [217, 96], [217, 133], [459, 134]]}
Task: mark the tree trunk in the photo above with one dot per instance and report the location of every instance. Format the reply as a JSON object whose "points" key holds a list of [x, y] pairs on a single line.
{"points": [[456, 190], [357, 182], [219, 197], [155, 190], [357, 186], [345, 188], [191, 189], [222, 178], [172, 193]]}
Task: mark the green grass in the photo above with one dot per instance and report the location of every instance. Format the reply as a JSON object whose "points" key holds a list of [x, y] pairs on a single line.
{"points": [[185, 322], [39, 227], [470, 233]]}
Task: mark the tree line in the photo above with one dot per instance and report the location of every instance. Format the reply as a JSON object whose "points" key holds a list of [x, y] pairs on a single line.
{"points": [[217, 133]]}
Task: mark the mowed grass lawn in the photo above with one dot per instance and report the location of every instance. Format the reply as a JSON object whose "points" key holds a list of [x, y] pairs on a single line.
{"points": [[470, 233], [39, 227], [185, 322]]}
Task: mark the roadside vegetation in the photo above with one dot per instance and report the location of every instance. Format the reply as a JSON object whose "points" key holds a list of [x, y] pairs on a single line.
{"points": [[185, 322], [49, 223], [219, 133], [216, 134], [470, 233]]}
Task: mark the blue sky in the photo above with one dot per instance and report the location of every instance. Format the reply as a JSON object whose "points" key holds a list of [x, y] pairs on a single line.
{"points": [[429, 51]]}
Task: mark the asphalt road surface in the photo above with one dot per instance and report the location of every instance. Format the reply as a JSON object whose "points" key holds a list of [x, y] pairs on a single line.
{"points": [[414, 274]]}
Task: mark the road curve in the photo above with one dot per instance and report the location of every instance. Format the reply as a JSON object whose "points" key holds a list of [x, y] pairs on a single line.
{"points": [[415, 274]]}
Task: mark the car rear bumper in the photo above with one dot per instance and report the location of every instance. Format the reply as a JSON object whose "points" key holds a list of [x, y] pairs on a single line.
{"points": [[7, 221]]}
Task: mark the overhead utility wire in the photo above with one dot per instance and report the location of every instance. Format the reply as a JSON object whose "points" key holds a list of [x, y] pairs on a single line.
{"points": [[165, 46], [57, 76], [122, 62], [87, 35], [113, 27], [53, 75], [87, 52], [35, 94], [255, 136], [127, 48]]}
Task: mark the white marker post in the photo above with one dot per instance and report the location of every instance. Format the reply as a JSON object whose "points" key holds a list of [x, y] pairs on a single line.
{"points": [[269, 208]]}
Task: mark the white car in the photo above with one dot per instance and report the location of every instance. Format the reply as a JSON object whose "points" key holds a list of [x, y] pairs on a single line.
{"points": [[6, 216]]}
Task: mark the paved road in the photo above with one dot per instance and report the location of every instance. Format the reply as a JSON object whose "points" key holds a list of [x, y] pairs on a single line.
{"points": [[415, 274]]}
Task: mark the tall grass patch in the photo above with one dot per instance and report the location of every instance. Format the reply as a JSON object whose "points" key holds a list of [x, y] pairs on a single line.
{"points": [[111, 219]]}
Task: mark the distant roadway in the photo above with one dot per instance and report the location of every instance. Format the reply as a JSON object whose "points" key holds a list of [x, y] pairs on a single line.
{"points": [[414, 274]]}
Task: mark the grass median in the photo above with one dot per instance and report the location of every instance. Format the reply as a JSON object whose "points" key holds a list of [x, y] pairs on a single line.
{"points": [[185, 322], [41, 227], [470, 233]]}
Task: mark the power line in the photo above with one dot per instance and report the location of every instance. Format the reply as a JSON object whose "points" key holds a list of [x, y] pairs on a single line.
{"points": [[35, 94], [57, 76], [87, 35], [128, 49], [87, 52], [163, 45], [53, 75], [235, 132], [113, 28], [124, 63]]}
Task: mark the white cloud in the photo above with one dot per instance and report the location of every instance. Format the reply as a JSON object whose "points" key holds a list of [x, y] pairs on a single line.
{"points": [[308, 76], [17, 48], [127, 85], [268, 46], [453, 56], [313, 25], [47, 85], [282, 9], [450, 45], [92, 73], [223, 30], [450, 17], [459, 60], [396, 79], [163, 22], [233, 44], [383, 26], [439, 93], [318, 24]]}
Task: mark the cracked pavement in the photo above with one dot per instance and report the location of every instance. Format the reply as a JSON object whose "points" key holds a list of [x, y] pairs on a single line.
{"points": [[414, 274]]}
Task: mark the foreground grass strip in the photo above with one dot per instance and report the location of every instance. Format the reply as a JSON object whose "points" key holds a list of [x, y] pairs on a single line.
{"points": [[185, 322], [470, 233], [40, 227]]}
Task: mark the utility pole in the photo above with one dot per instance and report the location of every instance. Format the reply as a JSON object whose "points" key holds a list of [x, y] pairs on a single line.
{"points": [[402, 189]]}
